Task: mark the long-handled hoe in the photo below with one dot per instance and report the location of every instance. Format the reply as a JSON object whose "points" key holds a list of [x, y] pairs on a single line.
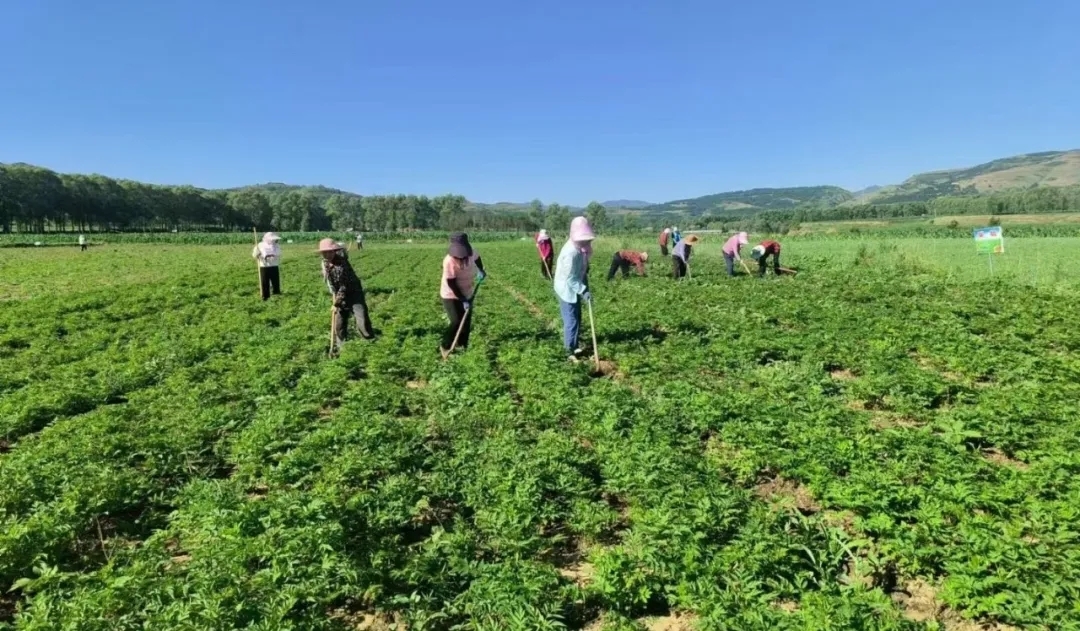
{"points": [[333, 330], [461, 325]]}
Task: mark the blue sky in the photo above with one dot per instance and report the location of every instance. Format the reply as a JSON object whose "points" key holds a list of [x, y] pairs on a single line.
{"points": [[564, 100]]}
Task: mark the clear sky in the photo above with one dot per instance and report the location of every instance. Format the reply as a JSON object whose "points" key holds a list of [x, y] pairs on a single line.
{"points": [[562, 100]]}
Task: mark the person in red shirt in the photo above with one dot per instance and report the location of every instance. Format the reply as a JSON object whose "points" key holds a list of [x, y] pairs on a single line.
{"points": [[665, 237], [762, 252], [547, 254], [623, 259]]}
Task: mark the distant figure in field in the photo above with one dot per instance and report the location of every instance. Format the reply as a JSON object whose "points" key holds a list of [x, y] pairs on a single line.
{"points": [[82, 243], [572, 282], [665, 238], [623, 259], [547, 253], [761, 254], [676, 236], [731, 251], [359, 241], [347, 292], [680, 255], [268, 254], [462, 270]]}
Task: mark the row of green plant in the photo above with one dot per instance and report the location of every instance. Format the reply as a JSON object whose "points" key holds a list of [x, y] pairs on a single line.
{"points": [[767, 454]]}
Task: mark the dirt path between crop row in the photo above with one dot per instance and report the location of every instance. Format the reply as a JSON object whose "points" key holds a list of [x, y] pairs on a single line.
{"points": [[524, 300]]}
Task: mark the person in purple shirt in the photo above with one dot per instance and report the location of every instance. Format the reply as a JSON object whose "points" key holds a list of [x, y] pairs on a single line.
{"points": [[680, 255], [731, 250]]}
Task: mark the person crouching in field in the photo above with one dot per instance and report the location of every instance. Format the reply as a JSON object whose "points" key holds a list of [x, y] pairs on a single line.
{"points": [[462, 269], [623, 259], [680, 256], [268, 255], [665, 237], [547, 253], [762, 252], [572, 282], [731, 251], [347, 292]]}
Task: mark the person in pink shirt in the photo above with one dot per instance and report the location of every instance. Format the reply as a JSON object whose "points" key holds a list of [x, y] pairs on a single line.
{"points": [[461, 270], [731, 251], [547, 253]]}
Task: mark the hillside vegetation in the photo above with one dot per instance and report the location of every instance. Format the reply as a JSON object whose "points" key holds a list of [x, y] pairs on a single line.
{"points": [[755, 200], [1045, 169]]}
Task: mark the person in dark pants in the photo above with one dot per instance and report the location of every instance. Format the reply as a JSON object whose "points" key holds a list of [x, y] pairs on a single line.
{"points": [[680, 255], [82, 243], [347, 291], [665, 237], [462, 270], [761, 253], [268, 255], [547, 253], [623, 259]]}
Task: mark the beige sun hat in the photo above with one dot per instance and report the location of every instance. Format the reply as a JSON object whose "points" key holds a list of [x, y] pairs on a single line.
{"points": [[328, 245]]}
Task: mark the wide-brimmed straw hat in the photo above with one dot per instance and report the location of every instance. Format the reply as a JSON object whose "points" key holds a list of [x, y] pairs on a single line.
{"points": [[543, 234], [580, 230], [328, 245], [270, 237], [459, 246], [644, 256], [692, 239], [743, 238]]}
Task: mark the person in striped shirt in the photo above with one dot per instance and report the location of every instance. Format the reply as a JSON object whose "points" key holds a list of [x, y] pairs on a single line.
{"points": [[623, 259]]}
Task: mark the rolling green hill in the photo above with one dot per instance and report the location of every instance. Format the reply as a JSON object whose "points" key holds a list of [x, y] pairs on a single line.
{"points": [[756, 200], [1044, 169]]}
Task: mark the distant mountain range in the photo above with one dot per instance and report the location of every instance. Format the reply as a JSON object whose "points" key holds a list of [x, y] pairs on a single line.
{"points": [[1048, 168]]}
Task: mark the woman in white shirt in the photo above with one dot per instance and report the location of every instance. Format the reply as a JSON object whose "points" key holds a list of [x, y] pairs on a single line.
{"points": [[268, 254]]}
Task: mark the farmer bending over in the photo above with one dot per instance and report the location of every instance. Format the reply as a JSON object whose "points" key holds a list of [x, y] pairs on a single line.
{"points": [[680, 255], [461, 270], [572, 282], [268, 255], [761, 253], [665, 236], [547, 253], [623, 259], [347, 291], [731, 251]]}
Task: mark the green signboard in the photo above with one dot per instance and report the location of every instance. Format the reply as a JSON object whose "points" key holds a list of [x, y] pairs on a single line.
{"points": [[989, 240]]}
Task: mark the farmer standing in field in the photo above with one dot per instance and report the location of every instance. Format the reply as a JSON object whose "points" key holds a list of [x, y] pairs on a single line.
{"points": [[731, 251], [82, 243], [359, 241], [347, 292], [680, 256], [665, 236], [268, 255], [547, 253], [572, 282], [761, 253], [462, 270], [623, 259]]}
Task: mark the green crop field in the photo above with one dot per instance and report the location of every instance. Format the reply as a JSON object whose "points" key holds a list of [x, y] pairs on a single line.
{"points": [[890, 440]]}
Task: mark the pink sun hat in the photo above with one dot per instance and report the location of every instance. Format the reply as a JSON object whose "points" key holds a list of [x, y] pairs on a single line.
{"points": [[743, 238], [328, 245], [580, 230]]}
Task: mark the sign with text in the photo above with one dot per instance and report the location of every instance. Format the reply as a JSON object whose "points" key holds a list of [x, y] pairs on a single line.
{"points": [[989, 240]]}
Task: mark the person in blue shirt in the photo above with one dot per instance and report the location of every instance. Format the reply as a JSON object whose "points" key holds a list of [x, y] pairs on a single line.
{"points": [[572, 282]]}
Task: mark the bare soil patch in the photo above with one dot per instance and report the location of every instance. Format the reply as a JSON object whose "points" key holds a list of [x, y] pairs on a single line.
{"points": [[416, 384], [842, 374], [782, 491], [998, 457], [889, 420], [919, 602], [672, 622]]}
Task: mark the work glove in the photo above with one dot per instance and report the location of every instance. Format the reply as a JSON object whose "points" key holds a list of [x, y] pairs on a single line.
{"points": [[587, 295], [467, 304], [480, 275]]}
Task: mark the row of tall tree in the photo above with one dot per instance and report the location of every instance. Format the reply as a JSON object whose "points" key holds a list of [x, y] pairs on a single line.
{"points": [[35, 199]]}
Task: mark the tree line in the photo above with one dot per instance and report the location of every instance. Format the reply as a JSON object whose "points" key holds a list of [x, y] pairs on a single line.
{"points": [[39, 200]]}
